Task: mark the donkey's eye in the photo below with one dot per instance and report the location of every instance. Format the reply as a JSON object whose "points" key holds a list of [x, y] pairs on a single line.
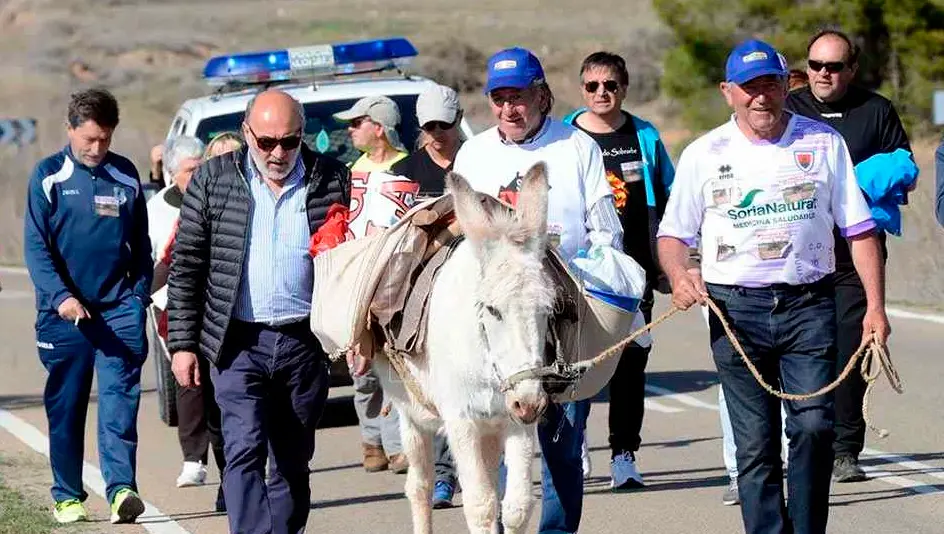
{"points": [[493, 311]]}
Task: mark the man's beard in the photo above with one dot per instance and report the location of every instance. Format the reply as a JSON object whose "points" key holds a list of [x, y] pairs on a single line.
{"points": [[263, 169]]}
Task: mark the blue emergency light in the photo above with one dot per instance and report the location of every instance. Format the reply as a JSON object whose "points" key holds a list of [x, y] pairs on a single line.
{"points": [[318, 60]]}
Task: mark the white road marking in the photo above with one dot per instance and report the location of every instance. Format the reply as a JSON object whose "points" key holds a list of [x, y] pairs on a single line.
{"points": [[904, 461], [918, 487], [153, 520], [13, 270], [15, 294], [681, 398], [905, 314], [658, 407]]}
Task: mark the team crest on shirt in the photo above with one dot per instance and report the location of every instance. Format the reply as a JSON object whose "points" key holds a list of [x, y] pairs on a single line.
{"points": [[509, 193], [803, 159]]}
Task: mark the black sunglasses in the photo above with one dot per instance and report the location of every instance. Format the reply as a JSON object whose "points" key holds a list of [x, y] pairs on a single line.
{"points": [[268, 144], [432, 125], [610, 86], [831, 67]]}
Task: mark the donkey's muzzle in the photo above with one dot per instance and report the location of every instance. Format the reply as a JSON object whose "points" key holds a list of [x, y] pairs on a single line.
{"points": [[527, 412]]}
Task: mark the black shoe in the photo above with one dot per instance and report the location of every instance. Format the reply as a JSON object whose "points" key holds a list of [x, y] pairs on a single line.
{"points": [[220, 501], [846, 469]]}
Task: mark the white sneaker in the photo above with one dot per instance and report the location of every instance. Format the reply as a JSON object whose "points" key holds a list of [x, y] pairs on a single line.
{"points": [[624, 472], [585, 459], [192, 474]]}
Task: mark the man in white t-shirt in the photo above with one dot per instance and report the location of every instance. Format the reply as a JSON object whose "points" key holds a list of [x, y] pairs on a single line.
{"points": [[581, 212], [764, 191]]}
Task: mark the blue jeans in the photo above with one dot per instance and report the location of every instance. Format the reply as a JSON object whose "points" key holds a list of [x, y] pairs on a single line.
{"points": [[271, 386], [560, 434], [789, 334], [112, 345]]}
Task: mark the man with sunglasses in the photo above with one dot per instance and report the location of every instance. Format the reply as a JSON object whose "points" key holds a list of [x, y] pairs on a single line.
{"points": [[240, 295], [870, 126], [581, 212], [640, 172], [372, 123]]}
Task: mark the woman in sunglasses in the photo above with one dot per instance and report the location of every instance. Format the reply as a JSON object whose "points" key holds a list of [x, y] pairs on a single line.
{"points": [[438, 114], [640, 173]]}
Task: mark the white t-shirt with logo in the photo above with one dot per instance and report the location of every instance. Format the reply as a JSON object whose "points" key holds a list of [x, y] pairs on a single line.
{"points": [[766, 211], [575, 174]]}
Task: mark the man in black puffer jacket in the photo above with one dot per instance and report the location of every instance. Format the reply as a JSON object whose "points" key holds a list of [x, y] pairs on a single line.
{"points": [[240, 294]]}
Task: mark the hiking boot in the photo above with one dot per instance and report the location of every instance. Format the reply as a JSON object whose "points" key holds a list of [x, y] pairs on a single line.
{"points": [[126, 507], [399, 464], [442, 495], [624, 473], [731, 496], [374, 458], [846, 469], [69, 511], [585, 462]]}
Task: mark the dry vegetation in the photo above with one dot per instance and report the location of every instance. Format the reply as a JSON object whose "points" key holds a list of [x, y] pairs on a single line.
{"points": [[150, 53]]}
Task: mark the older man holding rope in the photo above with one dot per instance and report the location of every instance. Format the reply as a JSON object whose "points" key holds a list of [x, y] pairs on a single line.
{"points": [[764, 190]]}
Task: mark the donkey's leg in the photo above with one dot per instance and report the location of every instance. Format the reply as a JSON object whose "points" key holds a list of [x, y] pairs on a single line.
{"points": [[518, 503], [476, 458], [418, 447]]}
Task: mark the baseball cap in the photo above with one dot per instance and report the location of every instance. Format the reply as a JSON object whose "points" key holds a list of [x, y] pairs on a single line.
{"points": [[513, 67], [379, 109], [437, 103], [753, 59]]}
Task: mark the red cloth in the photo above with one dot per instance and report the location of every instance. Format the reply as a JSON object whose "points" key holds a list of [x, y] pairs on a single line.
{"points": [[164, 255], [332, 233]]}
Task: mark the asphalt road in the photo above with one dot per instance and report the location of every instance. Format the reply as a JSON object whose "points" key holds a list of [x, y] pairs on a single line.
{"points": [[680, 456]]}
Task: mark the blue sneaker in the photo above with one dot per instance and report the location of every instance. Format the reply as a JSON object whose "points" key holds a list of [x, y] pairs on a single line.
{"points": [[442, 495]]}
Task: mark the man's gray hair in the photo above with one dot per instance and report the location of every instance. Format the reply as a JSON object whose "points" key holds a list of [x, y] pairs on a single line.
{"points": [[176, 150]]}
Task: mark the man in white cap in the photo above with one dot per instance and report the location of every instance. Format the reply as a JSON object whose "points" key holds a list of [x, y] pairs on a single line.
{"points": [[438, 113], [373, 127]]}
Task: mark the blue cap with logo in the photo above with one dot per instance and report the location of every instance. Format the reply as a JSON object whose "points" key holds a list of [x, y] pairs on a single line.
{"points": [[753, 59], [513, 67]]}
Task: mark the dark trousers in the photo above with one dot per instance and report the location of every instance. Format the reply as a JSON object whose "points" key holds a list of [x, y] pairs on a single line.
{"points": [[271, 386], [850, 310], [788, 334], [112, 345], [628, 392], [198, 416]]}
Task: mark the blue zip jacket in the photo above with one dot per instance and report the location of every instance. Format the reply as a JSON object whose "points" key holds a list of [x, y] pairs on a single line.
{"points": [[86, 233], [885, 179], [939, 171]]}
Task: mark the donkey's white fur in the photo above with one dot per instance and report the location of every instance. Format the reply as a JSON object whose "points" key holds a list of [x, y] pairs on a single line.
{"points": [[487, 321]]}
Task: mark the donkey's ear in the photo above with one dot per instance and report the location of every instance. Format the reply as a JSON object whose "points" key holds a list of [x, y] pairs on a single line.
{"points": [[474, 218], [532, 202]]}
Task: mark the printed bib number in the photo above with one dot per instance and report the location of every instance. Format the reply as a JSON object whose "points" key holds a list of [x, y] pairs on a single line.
{"points": [[107, 206]]}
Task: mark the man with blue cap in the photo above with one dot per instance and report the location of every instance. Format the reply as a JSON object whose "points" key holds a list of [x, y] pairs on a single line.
{"points": [[581, 212], [763, 191]]}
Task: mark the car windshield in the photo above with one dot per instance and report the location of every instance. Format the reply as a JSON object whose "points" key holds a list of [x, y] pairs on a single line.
{"points": [[323, 133]]}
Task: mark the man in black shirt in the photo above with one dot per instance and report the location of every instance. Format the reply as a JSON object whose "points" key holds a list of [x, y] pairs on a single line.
{"points": [[640, 173], [438, 114], [869, 124]]}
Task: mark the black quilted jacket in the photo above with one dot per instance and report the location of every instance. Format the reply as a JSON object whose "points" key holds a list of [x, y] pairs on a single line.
{"points": [[211, 243]]}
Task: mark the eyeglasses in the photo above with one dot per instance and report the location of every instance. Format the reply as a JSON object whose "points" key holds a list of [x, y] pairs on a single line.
{"points": [[357, 122], [831, 67], [268, 144], [515, 98], [432, 125], [610, 86]]}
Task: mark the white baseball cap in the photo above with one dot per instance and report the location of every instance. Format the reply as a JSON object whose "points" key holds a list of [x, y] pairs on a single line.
{"points": [[379, 109], [437, 103]]}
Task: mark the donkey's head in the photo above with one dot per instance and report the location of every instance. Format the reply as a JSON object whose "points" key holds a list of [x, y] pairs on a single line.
{"points": [[513, 295]]}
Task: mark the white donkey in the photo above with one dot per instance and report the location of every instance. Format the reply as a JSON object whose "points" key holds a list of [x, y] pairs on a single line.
{"points": [[487, 321]]}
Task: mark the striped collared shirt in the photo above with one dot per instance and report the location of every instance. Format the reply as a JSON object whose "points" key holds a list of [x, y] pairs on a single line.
{"points": [[277, 274]]}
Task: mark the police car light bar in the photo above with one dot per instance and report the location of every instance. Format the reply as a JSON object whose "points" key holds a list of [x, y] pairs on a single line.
{"points": [[299, 62]]}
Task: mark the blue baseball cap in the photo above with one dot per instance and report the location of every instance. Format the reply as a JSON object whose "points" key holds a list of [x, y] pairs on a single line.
{"points": [[753, 59], [513, 67]]}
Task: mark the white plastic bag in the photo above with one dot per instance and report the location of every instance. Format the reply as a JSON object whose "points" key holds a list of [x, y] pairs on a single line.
{"points": [[615, 278]]}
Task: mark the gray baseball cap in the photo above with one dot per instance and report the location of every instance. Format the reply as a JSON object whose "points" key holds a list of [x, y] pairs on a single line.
{"points": [[379, 109], [437, 103]]}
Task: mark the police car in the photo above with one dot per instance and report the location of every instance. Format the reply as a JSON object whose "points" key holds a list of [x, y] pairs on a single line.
{"points": [[326, 79]]}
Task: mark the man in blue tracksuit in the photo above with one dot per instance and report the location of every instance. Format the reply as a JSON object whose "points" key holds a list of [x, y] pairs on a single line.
{"points": [[89, 256]]}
